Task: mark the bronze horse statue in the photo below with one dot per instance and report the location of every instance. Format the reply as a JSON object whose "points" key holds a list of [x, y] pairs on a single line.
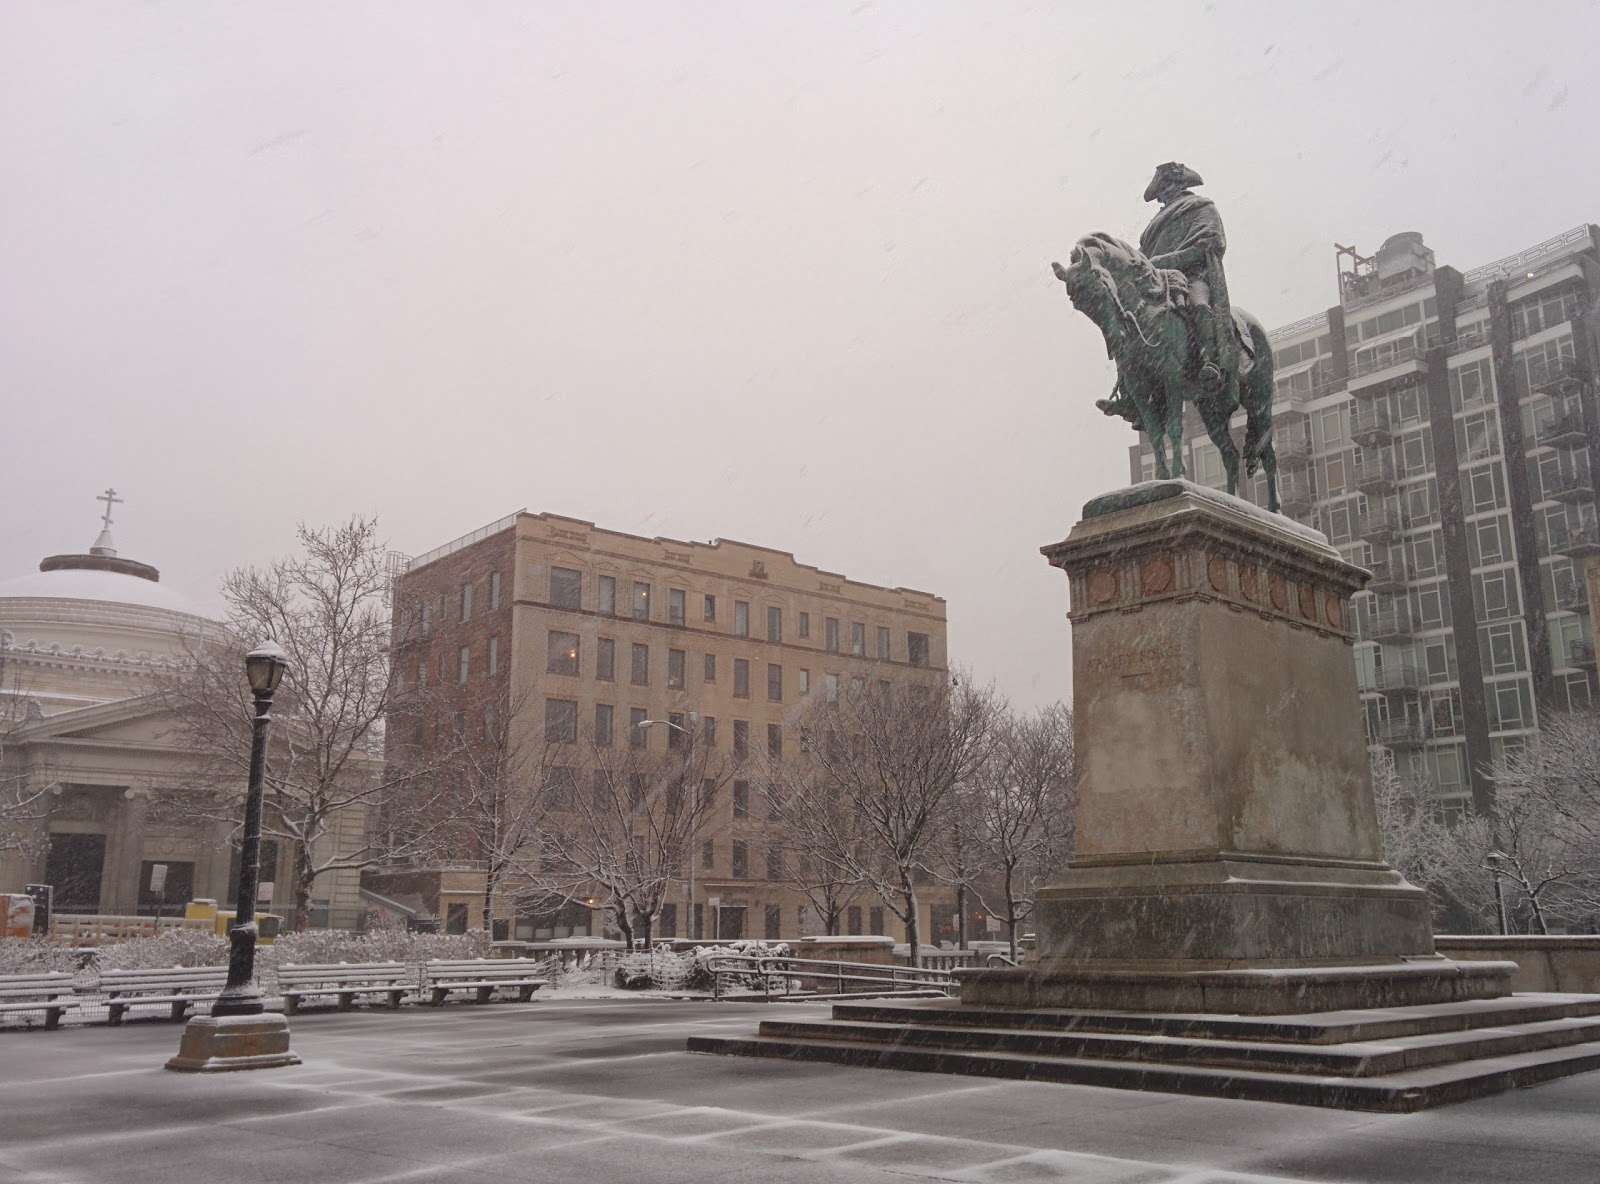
{"points": [[1140, 308]]}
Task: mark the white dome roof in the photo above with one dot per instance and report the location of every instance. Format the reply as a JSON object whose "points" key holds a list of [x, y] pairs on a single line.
{"points": [[108, 586]]}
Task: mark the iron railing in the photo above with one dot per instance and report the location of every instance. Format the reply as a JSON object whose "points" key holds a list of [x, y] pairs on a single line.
{"points": [[780, 976]]}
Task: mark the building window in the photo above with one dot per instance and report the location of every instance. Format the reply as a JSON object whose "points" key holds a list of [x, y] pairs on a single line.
{"points": [[675, 605], [917, 649], [605, 659], [638, 790], [708, 856], [830, 686], [875, 919], [561, 653], [775, 741], [805, 682], [708, 730], [566, 588], [560, 786], [641, 664], [494, 658], [830, 634], [741, 618], [774, 683], [464, 659], [852, 916], [561, 720], [494, 590], [741, 739], [607, 595], [466, 601], [741, 678], [883, 643], [422, 675], [641, 600], [636, 731], [741, 800], [711, 668], [675, 668], [677, 732], [774, 863], [603, 716], [774, 623], [774, 919], [711, 608], [858, 639], [804, 626], [741, 860]]}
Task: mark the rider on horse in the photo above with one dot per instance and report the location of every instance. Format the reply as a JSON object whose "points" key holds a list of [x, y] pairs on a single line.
{"points": [[1186, 235]]}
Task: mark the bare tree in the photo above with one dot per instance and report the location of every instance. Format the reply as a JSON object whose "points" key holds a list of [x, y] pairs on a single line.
{"points": [[485, 796], [621, 838], [24, 792], [1544, 833], [1019, 810], [894, 754], [326, 606], [813, 827]]}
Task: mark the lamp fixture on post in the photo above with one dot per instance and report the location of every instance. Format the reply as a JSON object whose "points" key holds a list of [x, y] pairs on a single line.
{"points": [[238, 1034]]}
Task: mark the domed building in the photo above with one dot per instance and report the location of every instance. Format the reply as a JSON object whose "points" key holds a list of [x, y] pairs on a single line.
{"points": [[92, 776]]}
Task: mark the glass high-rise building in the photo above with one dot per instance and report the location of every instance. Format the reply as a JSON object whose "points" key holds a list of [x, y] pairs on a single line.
{"points": [[1440, 427]]}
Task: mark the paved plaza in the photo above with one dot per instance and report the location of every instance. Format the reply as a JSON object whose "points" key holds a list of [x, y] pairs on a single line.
{"points": [[586, 1091]]}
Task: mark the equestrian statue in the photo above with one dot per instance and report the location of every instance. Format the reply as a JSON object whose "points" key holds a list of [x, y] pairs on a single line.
{"points": [[1168, 325]]}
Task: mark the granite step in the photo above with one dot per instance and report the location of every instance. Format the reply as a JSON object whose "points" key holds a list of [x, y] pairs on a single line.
{"points": [[1332, 1027], [1353, 1059], [1412, 1089]]}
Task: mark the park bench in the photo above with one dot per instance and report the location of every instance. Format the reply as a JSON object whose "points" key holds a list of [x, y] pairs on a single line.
{"points": [[481, 975], [394, 980], [37, 992], [179, 987]]}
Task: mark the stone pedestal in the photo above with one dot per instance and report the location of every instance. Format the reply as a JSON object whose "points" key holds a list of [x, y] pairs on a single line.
{"points": [[222, 1044], [1228, 855]]}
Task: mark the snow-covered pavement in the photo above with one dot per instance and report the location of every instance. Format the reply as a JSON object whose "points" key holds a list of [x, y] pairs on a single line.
{"points": [[602, 1091]]}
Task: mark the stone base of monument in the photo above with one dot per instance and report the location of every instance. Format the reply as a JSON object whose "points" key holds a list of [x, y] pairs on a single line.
{"points": [[1226, 923], [223, 1044], [1385, 1059]]}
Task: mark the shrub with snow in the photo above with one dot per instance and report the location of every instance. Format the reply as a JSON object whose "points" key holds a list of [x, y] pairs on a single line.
{"points": [[324, 946], [170, 947], [657, 969], [34, 955]]}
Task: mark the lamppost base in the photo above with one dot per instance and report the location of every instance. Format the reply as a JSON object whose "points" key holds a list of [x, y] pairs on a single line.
{"points": [[223, 1044], [245, 1001]]}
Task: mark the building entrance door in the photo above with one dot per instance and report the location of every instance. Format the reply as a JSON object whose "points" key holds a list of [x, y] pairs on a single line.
{"points": [[74, 865], [730, 922]]}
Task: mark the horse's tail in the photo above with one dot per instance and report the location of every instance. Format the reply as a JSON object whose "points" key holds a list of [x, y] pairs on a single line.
{"points": [[1255, 396]]}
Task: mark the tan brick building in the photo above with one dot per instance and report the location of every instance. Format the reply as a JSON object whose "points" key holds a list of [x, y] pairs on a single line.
{"points": [[602, 630]]}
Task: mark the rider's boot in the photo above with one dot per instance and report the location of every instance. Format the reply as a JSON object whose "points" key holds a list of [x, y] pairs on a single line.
{"points": [[1210, 369]]}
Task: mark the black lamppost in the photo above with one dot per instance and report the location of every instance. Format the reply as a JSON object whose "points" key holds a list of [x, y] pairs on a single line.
{"points": [[264, 666]]}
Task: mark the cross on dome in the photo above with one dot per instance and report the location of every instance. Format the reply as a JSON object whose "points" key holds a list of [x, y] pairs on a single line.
{"points": [[110, 498], [103, 545]]}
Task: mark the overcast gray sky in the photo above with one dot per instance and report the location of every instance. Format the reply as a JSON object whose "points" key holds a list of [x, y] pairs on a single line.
{"points": [[765, 271]]}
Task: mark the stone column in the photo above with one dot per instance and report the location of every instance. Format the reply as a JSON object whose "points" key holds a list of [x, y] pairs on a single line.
{"points": [[129, 829], [1228, 855]]}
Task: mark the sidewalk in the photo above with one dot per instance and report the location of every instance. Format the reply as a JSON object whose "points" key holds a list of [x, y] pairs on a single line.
{"points": [[603, 1091]]}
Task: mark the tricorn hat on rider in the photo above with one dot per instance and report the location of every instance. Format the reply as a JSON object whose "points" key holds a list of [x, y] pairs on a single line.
{"points": [[1171, 173]]}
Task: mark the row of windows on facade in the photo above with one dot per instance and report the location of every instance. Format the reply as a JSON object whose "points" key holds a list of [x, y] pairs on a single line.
{"points": [[563, 656], [561, 727], [1529, 316], [430, 614], [1472, 385], [566, 592]]}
